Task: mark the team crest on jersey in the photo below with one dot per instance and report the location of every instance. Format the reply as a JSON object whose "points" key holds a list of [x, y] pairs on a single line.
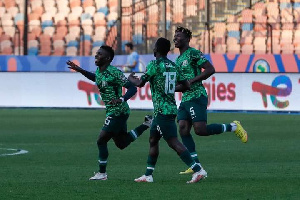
{"points": [[185, 63]]}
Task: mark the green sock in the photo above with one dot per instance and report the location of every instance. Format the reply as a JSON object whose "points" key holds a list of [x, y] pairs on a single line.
{"points": [[140, 129], [151, 162], [135, 133], [194, 155], [188, 160], [214, 129], [103, 155], [188, 141]]}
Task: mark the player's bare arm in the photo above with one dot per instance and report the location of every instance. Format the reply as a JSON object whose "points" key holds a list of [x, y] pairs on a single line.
{"points": [[73, 66], [76, 68], [206, 73], [135, 80]]}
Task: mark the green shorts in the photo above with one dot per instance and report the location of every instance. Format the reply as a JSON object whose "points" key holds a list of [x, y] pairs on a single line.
{"points": [[115, 124], [194, 110], [164, 126]]}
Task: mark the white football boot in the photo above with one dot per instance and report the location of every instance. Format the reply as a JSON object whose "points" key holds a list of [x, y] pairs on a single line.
{"points": [[144, 178], [99, 176], [197, 176]]}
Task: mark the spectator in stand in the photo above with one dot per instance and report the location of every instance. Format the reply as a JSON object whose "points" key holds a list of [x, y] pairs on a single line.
{"points": [[132, 63]]}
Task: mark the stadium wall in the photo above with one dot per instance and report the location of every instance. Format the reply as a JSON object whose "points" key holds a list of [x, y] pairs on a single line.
{"points": [[227, 91], [222, 62]]}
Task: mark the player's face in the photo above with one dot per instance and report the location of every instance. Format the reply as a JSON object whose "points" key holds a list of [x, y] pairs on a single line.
{"points": [[101, 57], [180, 39]]}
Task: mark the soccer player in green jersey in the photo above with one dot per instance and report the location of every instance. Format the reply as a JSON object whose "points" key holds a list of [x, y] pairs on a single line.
{"points": [[110, 81], [193, 107], [163, 75]]}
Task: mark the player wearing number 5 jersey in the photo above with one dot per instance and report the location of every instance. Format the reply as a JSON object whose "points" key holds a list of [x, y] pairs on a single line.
{"points": [[163, 74], [110, 81], [193, 108]]}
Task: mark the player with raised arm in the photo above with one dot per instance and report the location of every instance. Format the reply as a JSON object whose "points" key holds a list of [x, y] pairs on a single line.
{"points": [[110, 81], [163, 75], [193, 107]]}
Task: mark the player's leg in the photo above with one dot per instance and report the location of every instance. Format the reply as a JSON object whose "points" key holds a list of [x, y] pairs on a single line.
{"points": [[168, 129], [151, 161], [184, 154], [102, 140], [198, 108], [153, 154], [124, 138], [185, 124]]}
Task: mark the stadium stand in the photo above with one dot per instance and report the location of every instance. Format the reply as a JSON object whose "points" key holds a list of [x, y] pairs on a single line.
{"points": [[79, 27]]}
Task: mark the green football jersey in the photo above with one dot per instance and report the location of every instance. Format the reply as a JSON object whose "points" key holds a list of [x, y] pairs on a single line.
{"points": [[110, 83], [162, 75], [190, 63]]}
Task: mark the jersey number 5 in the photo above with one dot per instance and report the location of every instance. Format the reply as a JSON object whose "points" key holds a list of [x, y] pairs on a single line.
{"points": [[170, 82]]}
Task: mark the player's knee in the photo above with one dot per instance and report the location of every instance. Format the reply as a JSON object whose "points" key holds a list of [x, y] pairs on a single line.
{"points": [[201, 131], [152, 141], [183, 129]]}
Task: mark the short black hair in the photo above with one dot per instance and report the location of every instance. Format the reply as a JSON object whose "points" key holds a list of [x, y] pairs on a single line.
{"points": [[163, 46], [109, 50], [129, 44], [186, 31]]}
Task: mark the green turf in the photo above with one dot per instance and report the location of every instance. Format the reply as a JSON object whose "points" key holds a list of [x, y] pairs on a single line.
{"points": [[63, 155]]}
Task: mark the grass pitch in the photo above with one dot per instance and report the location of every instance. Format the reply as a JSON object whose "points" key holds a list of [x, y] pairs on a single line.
{"points": [[63, 155]]}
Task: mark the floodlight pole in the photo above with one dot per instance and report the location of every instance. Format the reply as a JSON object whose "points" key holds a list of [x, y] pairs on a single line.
{"points": [[164, 18], [25, 34], [119, 28]]}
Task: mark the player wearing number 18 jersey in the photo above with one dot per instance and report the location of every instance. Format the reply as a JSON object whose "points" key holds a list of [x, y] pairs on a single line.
{"points": [[163, 74], [193, 108]]}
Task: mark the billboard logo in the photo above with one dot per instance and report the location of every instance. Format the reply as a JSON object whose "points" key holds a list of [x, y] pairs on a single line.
{"points": [[261, 65], [274, 91]]}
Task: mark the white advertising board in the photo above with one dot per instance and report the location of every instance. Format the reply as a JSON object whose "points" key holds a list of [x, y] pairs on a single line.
{"points": [[227, 91]]}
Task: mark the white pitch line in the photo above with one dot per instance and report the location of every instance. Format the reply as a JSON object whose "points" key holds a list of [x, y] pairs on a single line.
{"points": [[18, 151]]}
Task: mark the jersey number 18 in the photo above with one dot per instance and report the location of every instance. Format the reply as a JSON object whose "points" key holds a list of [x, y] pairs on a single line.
{"points": [[170, 82]]}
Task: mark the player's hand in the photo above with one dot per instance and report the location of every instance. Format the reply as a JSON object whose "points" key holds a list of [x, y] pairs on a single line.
{"points": [[132, 76], [115, 101], [73, 66]]}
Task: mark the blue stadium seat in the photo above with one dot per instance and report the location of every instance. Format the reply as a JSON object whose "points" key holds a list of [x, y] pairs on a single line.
{"points": [[19, 17], [284, 5], [47, 23], [138, 38], [33, 51], [297, 5], [85, 37], [235, 34], [103, 10], [98, 43], [72, 43], [247, 27], [85, 16]]}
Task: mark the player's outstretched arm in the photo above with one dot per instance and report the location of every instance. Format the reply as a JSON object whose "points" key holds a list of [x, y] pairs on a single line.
{"points": [[76, 68], [208, 71], [135, 80]]}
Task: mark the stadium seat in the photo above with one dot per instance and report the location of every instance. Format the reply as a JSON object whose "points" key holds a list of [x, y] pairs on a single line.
{"points": [[220, 49], [247, 49], [71, 51]]}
